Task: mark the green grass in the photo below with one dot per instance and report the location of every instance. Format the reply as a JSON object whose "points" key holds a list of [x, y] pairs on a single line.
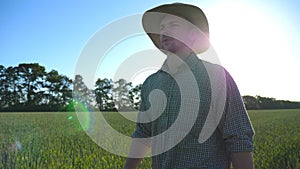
{"points": [[56, 140], [277, 138]]}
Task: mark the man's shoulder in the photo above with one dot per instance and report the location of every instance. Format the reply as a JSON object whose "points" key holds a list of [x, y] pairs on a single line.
{"points": [[212, 67], [210, 64], [152, 77]]}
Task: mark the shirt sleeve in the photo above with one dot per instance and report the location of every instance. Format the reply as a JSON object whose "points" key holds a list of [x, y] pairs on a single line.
{"points": [[143, 130], [235, 125]]}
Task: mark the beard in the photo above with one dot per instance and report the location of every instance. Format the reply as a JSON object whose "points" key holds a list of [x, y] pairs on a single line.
{"points": [[171, 44]]}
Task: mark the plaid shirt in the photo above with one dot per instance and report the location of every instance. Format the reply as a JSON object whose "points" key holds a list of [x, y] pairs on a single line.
{"points": [[234, 132]]}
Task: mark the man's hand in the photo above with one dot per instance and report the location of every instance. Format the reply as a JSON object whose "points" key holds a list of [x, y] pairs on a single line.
{"points": [[242, 160], [132, 163], [137, 150]]}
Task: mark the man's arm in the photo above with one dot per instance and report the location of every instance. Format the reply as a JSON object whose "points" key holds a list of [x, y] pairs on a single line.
{"points": [[137, 150], [242, 160], [132, 163], [236, 128]]}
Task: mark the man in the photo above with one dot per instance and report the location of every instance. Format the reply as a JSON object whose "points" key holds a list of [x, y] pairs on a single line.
{"points": [[228, 136]]}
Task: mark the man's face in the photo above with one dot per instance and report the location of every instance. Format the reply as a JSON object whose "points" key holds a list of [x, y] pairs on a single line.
{"points": [[175, 34]]}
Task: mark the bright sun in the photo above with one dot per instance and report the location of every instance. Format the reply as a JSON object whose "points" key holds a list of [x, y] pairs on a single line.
{"points": [[252, 46]]}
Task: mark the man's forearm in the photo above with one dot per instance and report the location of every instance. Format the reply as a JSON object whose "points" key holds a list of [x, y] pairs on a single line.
{"points": [[136, 154], [132, 163], [242, 160]]}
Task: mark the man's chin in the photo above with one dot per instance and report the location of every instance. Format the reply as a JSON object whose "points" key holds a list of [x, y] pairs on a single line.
{"points": [[169, 49]]}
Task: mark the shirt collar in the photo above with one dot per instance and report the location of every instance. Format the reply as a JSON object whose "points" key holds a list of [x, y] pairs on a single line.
{"points": [[191, 62]]}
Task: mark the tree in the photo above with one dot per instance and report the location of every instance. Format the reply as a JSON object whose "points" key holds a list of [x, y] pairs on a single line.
{"points": [[11, 93], [259, 102], [135, 96], [121, 95], [83, 96], [31, 78], [2, 86], [266, 102], [59, 91], [250, 102], [65, 90], [103, 92]]}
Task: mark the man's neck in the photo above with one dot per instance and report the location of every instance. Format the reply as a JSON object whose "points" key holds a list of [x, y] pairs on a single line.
{"points": [[182, 54], [174, 61]]}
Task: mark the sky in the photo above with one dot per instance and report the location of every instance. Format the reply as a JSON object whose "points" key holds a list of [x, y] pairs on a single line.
{"points": [[256, 41]]}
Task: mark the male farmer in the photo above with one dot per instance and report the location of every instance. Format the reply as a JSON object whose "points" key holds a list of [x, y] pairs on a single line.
{"points": [[221, 132]]}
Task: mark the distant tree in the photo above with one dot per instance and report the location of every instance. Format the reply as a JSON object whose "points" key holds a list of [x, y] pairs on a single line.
{"points": [[12, 93], [122, 96], [103, 92], [66, 91], [31, 78], [82, 95], [2, 86], [259, 102], [250, 102], [59, 90], [135, 96], [266, 102]]}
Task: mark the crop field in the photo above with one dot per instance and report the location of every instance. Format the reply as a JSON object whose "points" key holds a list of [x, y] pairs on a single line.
{"points": [[57, 140]]}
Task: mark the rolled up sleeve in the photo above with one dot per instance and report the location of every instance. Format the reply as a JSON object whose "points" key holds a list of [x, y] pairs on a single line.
{"points": [[235, 125]]}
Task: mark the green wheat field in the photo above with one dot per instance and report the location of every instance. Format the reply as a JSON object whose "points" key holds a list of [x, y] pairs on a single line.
{"points": [[57, 140]]}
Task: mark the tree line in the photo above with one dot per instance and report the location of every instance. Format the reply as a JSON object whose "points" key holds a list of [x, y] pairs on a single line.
{"points": [[259, 102], [28, 87]]}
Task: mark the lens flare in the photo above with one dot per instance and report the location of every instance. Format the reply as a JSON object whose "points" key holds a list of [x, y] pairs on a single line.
{"points": [[83, 114]]}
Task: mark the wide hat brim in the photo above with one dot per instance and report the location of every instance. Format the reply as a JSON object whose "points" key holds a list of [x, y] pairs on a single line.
{"points": [[152, 18]]}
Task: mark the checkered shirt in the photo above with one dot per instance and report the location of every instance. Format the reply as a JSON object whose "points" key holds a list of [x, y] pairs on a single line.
{"points": [[233, 133]]}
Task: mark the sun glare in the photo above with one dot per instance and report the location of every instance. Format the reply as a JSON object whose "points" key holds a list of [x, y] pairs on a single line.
{"points": [[252, 45]]}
